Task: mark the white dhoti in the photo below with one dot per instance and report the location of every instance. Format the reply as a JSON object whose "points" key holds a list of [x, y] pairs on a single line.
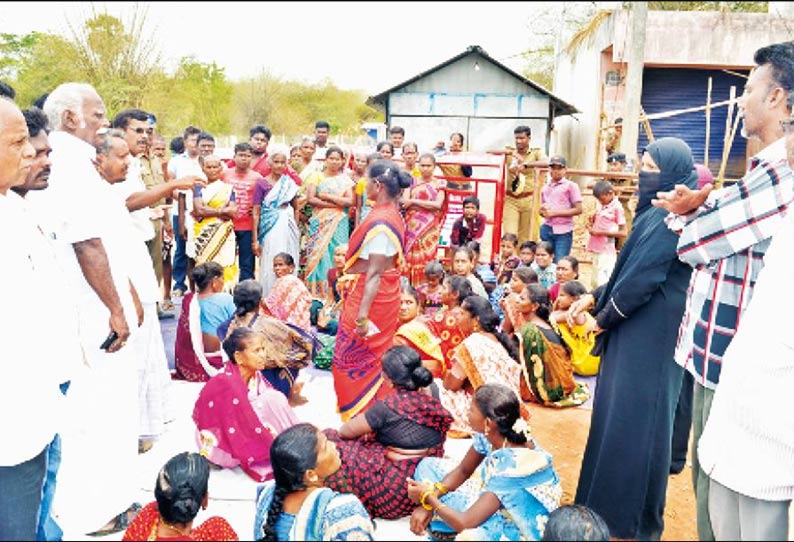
{"points": [[96, 480], [154, 378]]}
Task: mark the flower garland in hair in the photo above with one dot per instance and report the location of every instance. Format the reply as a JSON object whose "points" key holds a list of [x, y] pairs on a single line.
{"points": [[521, 427]]}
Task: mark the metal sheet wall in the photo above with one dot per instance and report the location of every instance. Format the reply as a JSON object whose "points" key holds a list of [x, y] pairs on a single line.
{"points": [[667, 89]]}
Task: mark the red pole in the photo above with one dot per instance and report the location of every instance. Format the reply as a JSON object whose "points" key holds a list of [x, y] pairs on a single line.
{"points": [[499, 204]]}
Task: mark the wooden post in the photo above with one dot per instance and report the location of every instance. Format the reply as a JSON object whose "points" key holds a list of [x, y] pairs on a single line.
{"points": [[708, 125], [601, 118], [730, 131], [646, 124], [636, 61]]}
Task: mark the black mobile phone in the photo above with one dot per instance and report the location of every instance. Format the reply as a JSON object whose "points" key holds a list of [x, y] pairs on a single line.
{"points": [[111, 338]]}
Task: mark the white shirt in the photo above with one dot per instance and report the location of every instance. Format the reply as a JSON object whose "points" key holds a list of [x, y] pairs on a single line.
{"points": [[75, 207], [142, 218], [32, 341], [180, 166], [748, 441]]}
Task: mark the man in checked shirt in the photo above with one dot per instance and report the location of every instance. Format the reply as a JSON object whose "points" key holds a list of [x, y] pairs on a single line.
{"points": [[724, 236]]}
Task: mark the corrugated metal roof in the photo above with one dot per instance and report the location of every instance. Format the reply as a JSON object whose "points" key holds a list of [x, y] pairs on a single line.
{"points": [[560, 106]]}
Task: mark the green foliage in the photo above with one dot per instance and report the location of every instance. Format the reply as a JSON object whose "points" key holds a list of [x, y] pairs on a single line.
{"points": [[123, 63], [292, 107]]}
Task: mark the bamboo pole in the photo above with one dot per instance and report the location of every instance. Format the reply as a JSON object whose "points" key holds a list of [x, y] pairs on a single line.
{"points": [[731, 123], [646, 124], [708, 125], [601, 118]]}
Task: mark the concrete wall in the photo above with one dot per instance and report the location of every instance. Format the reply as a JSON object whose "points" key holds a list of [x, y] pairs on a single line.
{"points": [[674, 38]]}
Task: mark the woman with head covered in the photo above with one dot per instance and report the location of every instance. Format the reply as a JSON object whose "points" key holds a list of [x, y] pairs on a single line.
{"points": [[638, 315]]}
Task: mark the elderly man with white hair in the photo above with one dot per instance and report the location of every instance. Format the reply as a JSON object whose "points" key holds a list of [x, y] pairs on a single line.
{"points": [[99, 438]]}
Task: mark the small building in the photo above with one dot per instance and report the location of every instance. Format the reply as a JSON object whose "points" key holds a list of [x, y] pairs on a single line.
{"points": [[475, 95], [683, 51]]}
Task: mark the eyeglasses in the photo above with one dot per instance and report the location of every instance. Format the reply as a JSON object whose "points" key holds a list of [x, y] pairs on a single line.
{"points": [[787, 125], [140, 130]]}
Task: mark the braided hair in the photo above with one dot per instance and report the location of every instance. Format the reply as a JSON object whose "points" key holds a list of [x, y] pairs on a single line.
{"points": [[480, 308], [500, 404], [292, 453], [181, 487]]}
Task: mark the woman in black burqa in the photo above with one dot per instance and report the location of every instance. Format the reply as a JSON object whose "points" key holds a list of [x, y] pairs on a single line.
{"points": [[627, 458]]}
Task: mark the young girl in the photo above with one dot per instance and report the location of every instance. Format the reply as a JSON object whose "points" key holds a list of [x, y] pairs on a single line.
{"points": [[576, 337], [514, 319], [289, 300], [430, 290], [463, 264], [546, 363], [544, 264]]}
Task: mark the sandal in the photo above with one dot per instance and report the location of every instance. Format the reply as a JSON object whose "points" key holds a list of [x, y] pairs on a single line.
{"points": [[167, 305], [120, 522]]}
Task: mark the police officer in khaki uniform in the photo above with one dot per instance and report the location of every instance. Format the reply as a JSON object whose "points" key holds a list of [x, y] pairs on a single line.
{"points": [[624, 189], [152, 175], [520, 185]]}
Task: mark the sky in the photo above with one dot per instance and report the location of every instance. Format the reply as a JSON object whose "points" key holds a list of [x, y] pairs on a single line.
{"points": [[365, 46]]}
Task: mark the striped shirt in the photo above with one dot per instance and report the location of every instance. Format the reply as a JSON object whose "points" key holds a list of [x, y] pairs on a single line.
{"points": [[725, 242]]}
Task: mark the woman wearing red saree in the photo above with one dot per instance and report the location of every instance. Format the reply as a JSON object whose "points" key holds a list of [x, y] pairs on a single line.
{"points": [[369, 314], [424, 213], [180, 491]]}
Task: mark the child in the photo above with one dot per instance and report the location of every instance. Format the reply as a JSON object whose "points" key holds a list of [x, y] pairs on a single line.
{"points": [[430, 291], [544, 264], [463, 265], [325, 314], [513, 318], [470, 226], [527, 253], [482, 270], [579, 341], [605, 226], [508, 260]]}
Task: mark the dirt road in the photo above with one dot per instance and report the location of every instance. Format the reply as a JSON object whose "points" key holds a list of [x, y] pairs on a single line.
{"points": [[564, 434]]}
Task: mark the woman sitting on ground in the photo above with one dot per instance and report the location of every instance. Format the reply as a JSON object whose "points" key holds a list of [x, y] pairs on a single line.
{"points": [[567, 269], [180, 491], [237, 413], [197, 346], [485, 356], [288, 349], [511, 495], [382, 446], [546, 362], [414, 333], [296, 506], [445, 323], [510, 304], [289, 300]]}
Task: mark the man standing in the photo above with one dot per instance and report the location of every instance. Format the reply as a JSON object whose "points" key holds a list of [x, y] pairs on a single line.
{"points": [[243, 180], [754, 473], [521, 184], [724, 237], [206, 144], [321, 130], [29, 394], [126, 147], [100, 432], [397, 139], [561, 201], [62, 307], [181, 166], [259, 141]]}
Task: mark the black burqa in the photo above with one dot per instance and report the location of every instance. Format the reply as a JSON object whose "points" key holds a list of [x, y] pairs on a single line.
{"points": [[627, 458]]}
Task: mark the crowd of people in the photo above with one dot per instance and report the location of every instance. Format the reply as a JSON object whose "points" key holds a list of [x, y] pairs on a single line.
{"points": [[318, 255]]}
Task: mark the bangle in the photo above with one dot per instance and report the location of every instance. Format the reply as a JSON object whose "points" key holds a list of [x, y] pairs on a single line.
{"points": [[423, 499], [441, 488]]}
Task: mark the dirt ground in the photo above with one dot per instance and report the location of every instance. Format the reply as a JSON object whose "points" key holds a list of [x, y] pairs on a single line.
{"points": [[563, 433]]}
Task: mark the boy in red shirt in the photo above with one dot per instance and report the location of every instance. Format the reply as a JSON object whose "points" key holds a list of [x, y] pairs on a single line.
{"points": [[243, 180]]}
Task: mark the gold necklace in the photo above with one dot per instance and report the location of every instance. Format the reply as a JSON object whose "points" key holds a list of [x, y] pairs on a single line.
{"points": [[180, 532]]}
